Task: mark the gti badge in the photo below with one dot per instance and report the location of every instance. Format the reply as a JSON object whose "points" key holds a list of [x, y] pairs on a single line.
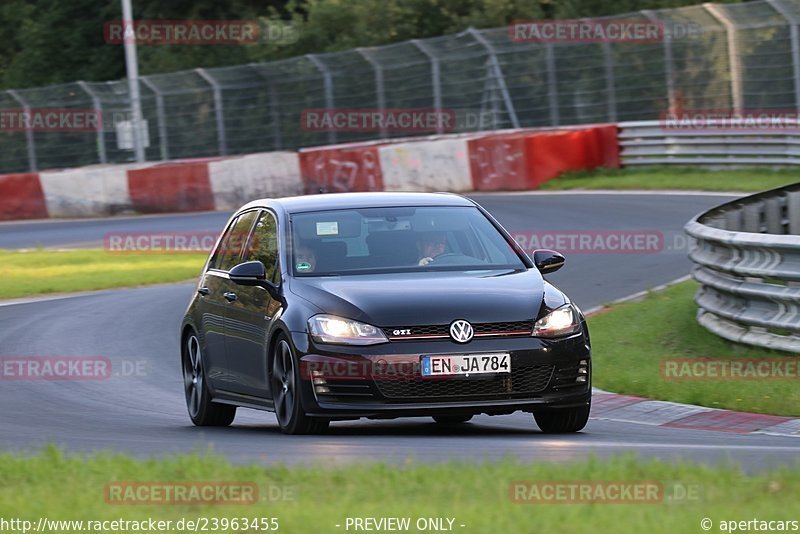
{"points": [[461, 331]]}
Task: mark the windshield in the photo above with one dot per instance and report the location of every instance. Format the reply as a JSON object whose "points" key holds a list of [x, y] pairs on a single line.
{"points": [[391, 239]]}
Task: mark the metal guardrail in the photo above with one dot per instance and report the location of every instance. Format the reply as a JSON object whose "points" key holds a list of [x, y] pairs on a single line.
{"points": [[747, 260], [708, 144]]}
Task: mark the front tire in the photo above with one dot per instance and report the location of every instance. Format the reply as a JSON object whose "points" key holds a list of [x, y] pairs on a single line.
{"points": [[202, 411], [563, 421], [286, 396]]}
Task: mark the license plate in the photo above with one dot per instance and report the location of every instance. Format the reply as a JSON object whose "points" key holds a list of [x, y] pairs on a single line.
{"points": [[466, 364]]}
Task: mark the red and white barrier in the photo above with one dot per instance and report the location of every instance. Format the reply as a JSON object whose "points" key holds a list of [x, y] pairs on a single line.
{"points": [[341, 169], [21, 197], [501, 161], [436, 165], [182, 186], [236, 181], [88, 191]]}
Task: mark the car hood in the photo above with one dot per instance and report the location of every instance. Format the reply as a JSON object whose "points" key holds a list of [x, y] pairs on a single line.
{"points": [[413, 299]]}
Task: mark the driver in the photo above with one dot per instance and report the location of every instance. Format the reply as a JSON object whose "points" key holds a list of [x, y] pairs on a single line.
{"points": [[430, 245]]}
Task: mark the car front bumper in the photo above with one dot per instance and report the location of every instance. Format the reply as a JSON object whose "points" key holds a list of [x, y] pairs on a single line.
{"points": [[339, 382]]}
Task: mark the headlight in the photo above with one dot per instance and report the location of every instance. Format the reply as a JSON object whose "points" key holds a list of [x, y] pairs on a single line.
{"points": [[332, 329], [559, 322]]}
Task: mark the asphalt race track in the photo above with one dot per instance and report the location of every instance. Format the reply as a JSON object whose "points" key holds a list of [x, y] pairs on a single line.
{"points": [[141, 410]]}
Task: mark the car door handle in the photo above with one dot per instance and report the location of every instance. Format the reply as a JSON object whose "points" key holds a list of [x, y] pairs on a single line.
{"points": [[204, 291], [230, 296]]}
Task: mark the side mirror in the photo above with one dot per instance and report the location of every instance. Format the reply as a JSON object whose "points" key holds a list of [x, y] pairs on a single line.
{"points": [[548, 261], [249, 273]]}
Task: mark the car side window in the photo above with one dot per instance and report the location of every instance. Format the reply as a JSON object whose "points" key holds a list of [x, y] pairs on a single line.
{"points": [[263, 245], [230, 247]]}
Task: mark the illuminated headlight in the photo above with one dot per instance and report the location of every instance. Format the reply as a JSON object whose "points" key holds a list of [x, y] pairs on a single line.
{"points": [[559, 322], [332, 329]]}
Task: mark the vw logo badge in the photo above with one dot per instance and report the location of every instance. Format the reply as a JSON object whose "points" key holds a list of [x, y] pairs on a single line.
{"points": [[461, 331]]}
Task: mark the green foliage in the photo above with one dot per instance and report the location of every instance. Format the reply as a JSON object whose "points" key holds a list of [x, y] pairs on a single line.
{"points": [[658, 177], [44, 42], [38, 272], [630, 341], [476, 494]]}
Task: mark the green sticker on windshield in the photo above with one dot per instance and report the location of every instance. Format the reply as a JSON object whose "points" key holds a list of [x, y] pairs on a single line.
{"points": [[303, 266]]}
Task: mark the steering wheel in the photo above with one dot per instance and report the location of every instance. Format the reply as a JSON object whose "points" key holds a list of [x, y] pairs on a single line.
{"points": [[440, 257]]}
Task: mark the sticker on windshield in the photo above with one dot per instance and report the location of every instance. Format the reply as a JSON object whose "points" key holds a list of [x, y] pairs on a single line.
{"points": [[303, 266], [328, 228]]}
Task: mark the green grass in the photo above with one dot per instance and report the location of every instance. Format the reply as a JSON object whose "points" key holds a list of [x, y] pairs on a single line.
{"points": [[38, 272], [656, 177], [630, 340], [475, 494]]}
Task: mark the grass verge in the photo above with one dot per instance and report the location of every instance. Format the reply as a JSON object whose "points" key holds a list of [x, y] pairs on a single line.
{"points": [[38, 272], [631, 340], [476, 495], [651, 178]]}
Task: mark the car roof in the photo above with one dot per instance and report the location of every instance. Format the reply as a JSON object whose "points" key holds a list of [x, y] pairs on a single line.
{"points": [[338, 201]]}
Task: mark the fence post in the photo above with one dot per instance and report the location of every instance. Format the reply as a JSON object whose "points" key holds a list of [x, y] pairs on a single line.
{"points": [[29, 141], [795, 40], [273, 108], [379, 88], [218, 112], [328, 81], [733, 54], [436, 81], [669, 69], [501, 81], [98, 107], [611, 89], [552, 84], [161, 117]]}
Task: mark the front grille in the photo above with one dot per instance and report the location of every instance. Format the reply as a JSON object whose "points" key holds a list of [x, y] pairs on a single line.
{"points": [[530, 379], [518, 328]]}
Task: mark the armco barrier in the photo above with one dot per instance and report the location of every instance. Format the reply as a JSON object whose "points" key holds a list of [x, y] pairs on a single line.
{"points": [[21, 197], [735, 144], [501, 161], [747, 256]]}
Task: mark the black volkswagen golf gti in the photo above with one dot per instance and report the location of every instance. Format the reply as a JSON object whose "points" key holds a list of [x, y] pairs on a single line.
{"points": [[381, 305]]}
